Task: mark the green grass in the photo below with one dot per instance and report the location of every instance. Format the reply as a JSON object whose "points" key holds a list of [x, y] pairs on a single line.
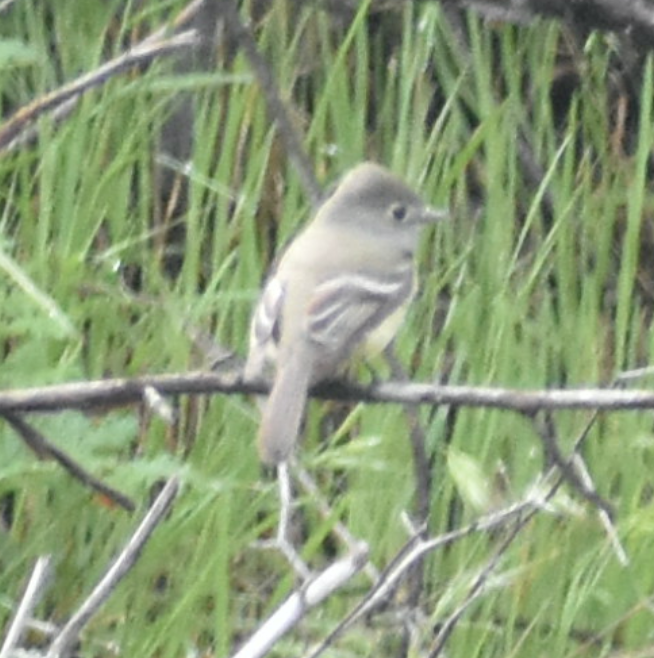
{"points": [[510, 296]]}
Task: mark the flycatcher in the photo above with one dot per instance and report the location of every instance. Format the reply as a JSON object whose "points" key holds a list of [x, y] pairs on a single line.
{"points": [[341, 287]]}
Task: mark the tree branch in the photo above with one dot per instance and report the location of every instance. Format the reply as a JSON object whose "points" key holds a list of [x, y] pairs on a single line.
{"points": [[119, 568], [65, 97], [120, 392], [45, 449], [634, 18], [276, 107]]}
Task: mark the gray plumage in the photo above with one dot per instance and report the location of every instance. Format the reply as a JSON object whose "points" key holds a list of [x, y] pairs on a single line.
{"points": [[341, 286]]}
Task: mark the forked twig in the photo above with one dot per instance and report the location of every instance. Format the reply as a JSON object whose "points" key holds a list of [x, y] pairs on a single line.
{"points": [[299, 603], [415, 550]]}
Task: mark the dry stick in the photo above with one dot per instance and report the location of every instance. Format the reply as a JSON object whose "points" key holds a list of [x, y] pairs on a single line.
{"points": [[11, 130], [159, 405], [43, 448], [547, 431], [628, 17], [68, 635], [606, 519], [283, 541], [298, 604], [421, 461], [477, 588], [582, 469], [339, 529], [108, 393], [276, 106], [184, 16], [373, 598], [574, 468], [561, 469], [29, 134], [422, 468], [416, 550], [33, 592]]}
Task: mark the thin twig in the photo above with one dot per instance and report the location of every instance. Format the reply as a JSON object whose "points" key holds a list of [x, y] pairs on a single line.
{"points": [[44, 448], [299, 603], [414, 551], [339, 529], [606, 519], [276, 107], [10, 131], [27, 133], [478, 586], [284, 533], [547, 431], [558, 472], [282, 541], [62, 644], [33, 592], [423, 487], [183, 17]]}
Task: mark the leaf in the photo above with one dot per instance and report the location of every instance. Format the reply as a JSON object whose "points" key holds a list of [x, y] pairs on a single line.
{"points": [[15, 53], [473, 485]]}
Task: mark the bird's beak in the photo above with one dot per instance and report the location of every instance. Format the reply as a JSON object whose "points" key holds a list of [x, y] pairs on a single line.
{"points": [[430, 215]]}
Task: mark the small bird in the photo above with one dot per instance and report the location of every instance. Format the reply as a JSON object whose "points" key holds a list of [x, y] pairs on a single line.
{"points": [[341, 289]]}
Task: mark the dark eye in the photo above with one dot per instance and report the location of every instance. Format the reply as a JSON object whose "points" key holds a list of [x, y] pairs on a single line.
{"points": [[399, 212]]}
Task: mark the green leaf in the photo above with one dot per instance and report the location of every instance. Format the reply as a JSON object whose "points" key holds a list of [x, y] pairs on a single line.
{"points": [[473, 485], [15, 53]]}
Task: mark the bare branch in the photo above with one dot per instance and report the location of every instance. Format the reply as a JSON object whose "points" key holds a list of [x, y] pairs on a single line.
{"points": [[633, 17], [11, 132], [299, 603], [62, 644], [606, 519], [478, 587], [557, 475], [33, 592], [276, 107], [282, 542], [181, 20], [415, 551], [338, 528], [46, 449], [108, 393], [547, 431]]}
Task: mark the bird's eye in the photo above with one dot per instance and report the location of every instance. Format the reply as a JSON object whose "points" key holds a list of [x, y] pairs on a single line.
{"points": [[399, 212]]}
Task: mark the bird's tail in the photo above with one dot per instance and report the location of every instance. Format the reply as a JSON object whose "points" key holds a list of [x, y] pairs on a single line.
{"points": [[284, 409]]}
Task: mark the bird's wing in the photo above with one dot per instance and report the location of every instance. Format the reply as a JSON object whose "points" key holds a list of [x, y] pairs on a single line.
{"points": [[265, 329], [346, 308]]}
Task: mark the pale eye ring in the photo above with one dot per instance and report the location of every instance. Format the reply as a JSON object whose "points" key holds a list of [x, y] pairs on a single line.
{"points": [[399, 212]]}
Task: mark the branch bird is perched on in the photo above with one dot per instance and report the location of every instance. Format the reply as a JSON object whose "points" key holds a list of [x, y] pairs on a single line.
{"points": [[342, 287]]}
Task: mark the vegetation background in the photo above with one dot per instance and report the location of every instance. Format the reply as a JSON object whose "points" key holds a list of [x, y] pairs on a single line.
{"points": [[536, 137]]}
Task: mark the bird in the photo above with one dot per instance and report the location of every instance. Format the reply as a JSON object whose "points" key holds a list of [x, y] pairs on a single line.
{"points": [[339, 292]]}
